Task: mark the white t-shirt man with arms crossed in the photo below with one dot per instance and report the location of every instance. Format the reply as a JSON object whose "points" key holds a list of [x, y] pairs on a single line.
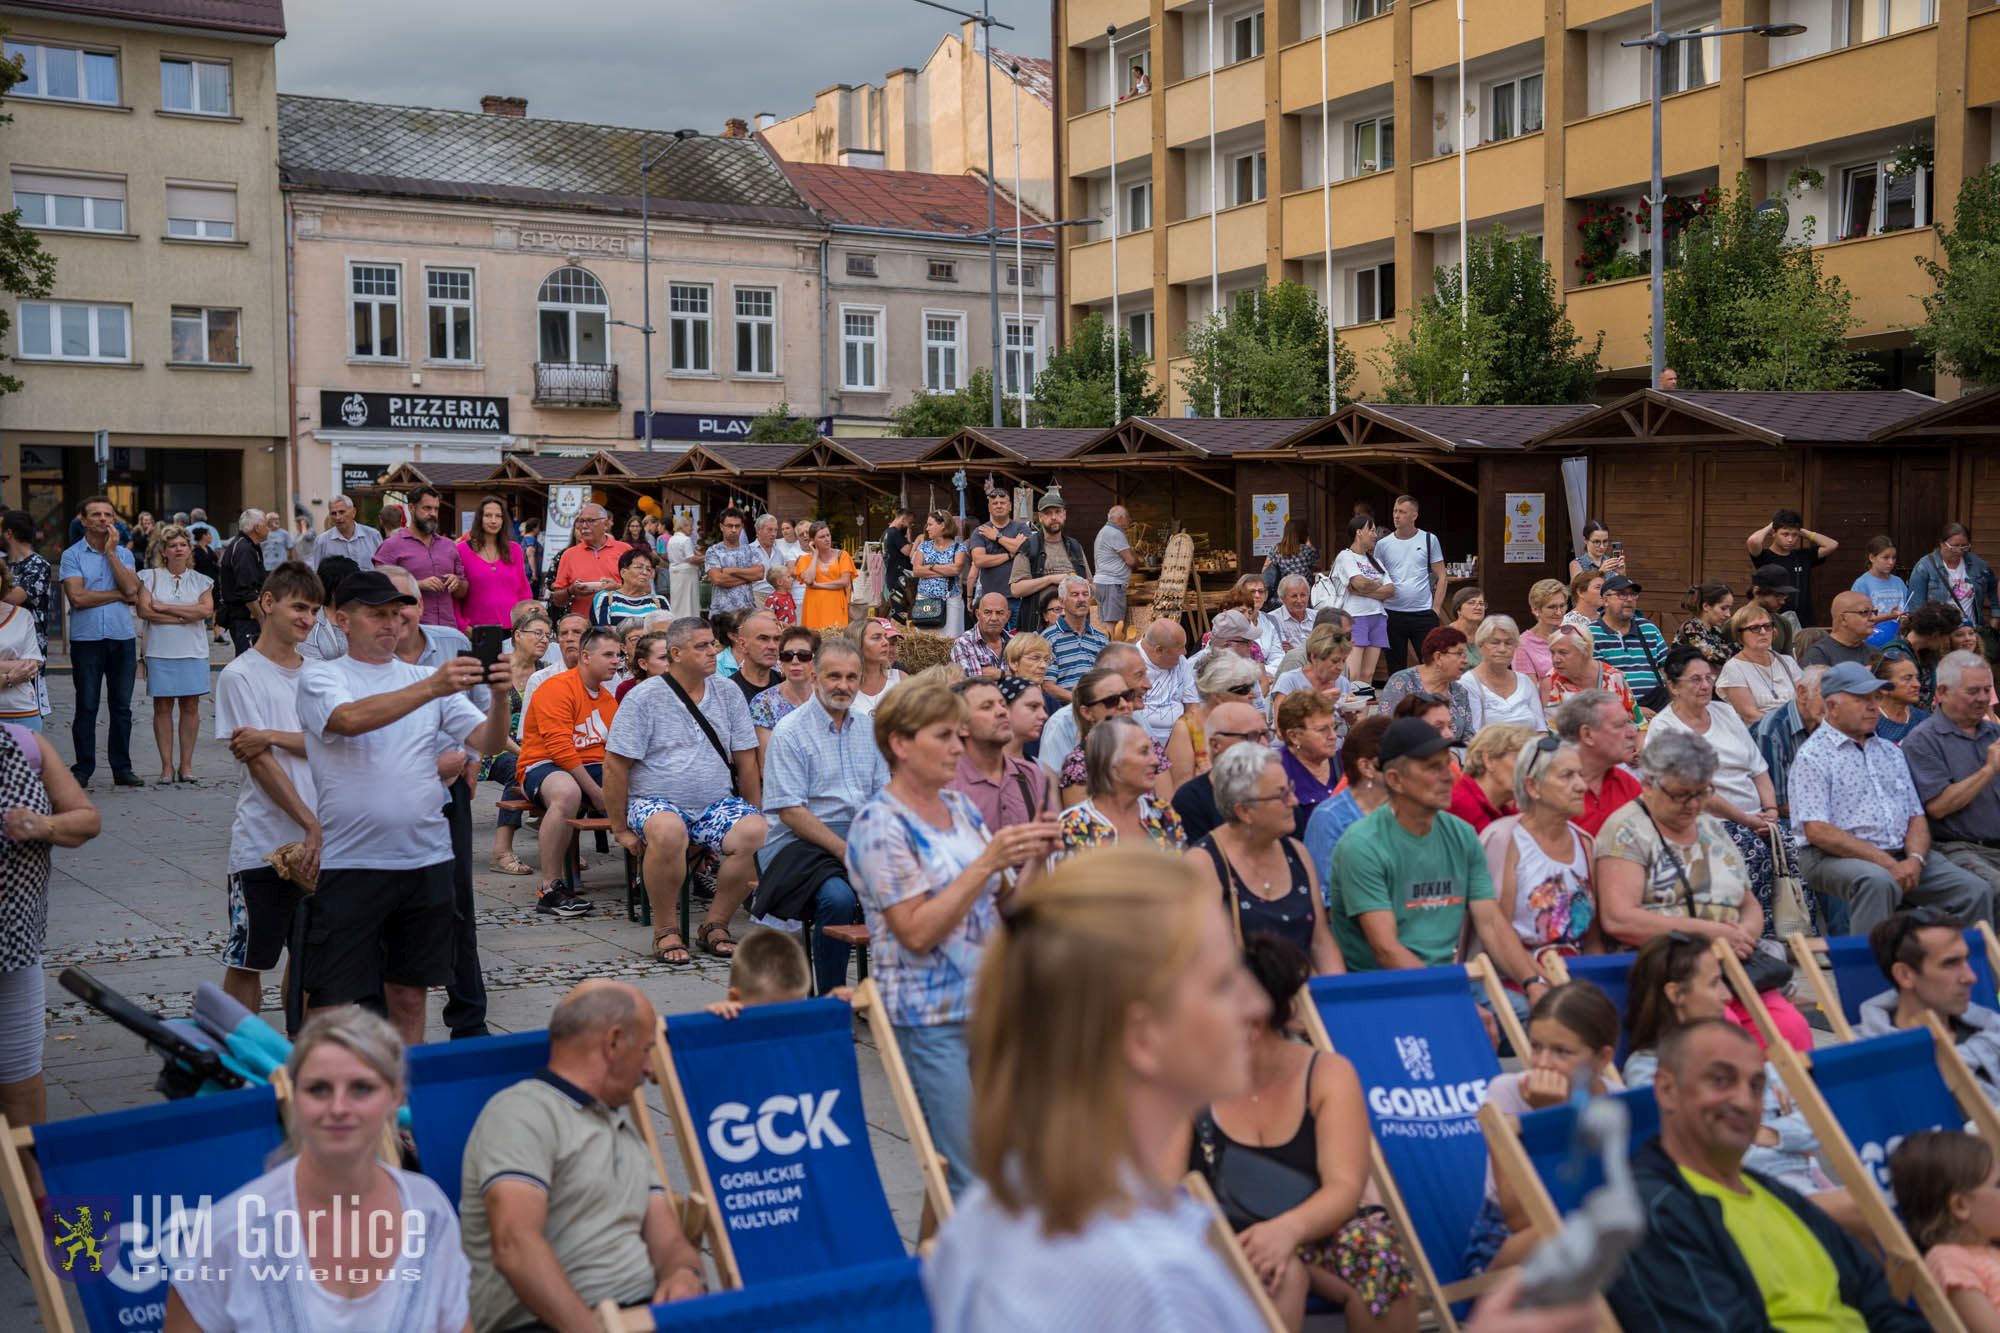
{"points": [[382, 915]]}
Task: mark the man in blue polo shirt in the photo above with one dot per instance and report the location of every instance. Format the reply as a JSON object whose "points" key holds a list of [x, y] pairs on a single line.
{"points": [[1624, 639], [102, 587], [1076, 643]]}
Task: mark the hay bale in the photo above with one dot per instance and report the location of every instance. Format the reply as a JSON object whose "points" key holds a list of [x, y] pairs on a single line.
{"points": [[922, 650]]}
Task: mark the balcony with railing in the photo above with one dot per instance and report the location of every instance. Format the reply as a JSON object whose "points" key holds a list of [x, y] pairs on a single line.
{"points": [[575, 384]]}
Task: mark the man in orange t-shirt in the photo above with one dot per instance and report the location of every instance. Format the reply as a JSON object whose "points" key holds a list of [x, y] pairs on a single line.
{"points": [[562, 757], [589, 565]]}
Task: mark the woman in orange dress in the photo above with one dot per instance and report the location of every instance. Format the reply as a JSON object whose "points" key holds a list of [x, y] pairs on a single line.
{"points": [[826, 576]]}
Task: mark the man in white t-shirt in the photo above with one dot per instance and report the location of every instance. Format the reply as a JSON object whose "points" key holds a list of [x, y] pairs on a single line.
{"points": [[257, 715], [1415, 563], [382, 916], [1114, 558]]}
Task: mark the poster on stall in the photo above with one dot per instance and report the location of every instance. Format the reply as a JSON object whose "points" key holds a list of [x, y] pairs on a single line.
{"points": [[565, 503], [1527, 529], [1267, 518]]}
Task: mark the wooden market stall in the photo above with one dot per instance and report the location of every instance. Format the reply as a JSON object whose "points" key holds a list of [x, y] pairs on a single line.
{"points": [[1683, 478], [460, 487], [855, 483]]}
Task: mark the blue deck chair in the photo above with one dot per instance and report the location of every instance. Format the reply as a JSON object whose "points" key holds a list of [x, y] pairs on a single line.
{"points": [[1610, 973], [1842, 974], [768, 1114], [884, 1297], [161, 1159], [1423, 1058], [450, 1084]]}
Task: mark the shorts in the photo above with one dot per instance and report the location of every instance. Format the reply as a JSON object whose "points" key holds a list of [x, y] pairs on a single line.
{"points": [[1372, 631], [538, 773], [706, 829], [261, 902], [367, 928], [1110, 601]]}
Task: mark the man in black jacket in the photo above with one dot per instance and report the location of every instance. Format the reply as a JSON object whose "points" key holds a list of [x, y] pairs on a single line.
{"points": [[241, 577], [1725, 1249]]}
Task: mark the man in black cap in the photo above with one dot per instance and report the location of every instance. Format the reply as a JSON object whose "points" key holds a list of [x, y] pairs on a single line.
{"points": [[381, 918], [1405, 876], [1772, 589], [1624, 639]]}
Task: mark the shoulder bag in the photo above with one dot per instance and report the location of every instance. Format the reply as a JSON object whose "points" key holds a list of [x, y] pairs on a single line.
{"points": [[1249, 1187], [1789, 913], [701, 720]]}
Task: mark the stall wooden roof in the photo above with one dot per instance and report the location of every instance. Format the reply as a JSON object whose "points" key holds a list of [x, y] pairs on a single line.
{"points": [[1185, 440], [424, 473], [1363, 430], [1973, 414], [539, 468], [730, 461], [1654, 416]]}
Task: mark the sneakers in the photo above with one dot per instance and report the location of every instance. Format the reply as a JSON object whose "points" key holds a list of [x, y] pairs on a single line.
{"points": [[559, 901]]}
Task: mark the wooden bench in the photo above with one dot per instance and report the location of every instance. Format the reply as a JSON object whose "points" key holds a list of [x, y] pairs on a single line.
{"points": [[856, 938], [582, 824]]}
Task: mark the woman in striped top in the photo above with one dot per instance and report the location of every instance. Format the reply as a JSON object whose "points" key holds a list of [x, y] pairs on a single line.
{"points": [[634, 595]]}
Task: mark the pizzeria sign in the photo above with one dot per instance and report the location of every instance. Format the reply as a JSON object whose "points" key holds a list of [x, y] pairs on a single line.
{"points": [[462, 413]]}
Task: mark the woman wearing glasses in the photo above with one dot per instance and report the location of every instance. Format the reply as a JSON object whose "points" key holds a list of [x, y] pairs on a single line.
{"points": [[1312, 739], [1121, 776], [1255, 864], [1443, 662], [1759, 679], [1497, 691], [1221, 678], [1101, 694], [1361, 792]]}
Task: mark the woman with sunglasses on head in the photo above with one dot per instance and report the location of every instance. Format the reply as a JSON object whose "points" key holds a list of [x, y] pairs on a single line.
{"points": [[1759, 679], [1121, 799], [1102, 693], [1542, 865], [1220, 678], [1254, 862]]}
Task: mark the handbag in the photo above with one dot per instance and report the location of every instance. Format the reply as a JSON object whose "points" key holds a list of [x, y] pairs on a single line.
{"points": [[1249, 1186], [927, 612], [1789, 913], [1767, 967]]}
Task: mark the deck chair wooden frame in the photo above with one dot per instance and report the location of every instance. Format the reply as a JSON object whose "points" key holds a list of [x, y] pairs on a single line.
{"points": [[1226, 1245], [1513, 1165], [14, 1178], [706, 1223], [1902, 1261], [1440, 1295]]}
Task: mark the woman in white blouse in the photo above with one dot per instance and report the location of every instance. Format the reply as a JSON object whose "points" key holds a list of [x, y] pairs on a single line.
{"points": [[176, 600], [20, 660], [1758, 680], [1495, 690]]}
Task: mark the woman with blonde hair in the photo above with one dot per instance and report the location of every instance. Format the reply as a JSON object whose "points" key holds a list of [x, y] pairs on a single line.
{"points": [[346, 1072], [175, 601], [1094, 1046], [1548, 601], [1485, 791]]}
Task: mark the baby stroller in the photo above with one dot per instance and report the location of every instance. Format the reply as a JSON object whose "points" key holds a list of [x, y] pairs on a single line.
{"points": [[222, 1047]]}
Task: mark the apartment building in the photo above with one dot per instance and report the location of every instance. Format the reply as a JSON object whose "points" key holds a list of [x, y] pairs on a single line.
{"points": [[1337, 129], [140, 155]]}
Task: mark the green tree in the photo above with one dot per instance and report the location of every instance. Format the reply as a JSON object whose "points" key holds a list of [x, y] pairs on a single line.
{"points": [[26, 270], [779, 426], [1961, 328], [929, 414], [1267, 358], [1514, 343], [1748, 309], [1075, 388]]}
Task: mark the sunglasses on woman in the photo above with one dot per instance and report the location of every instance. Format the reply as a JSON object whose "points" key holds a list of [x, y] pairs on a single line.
{"points": [[795, 655], [1133, 697]]}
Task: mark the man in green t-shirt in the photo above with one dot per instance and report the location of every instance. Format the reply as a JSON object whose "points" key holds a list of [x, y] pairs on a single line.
{"points": [[1405, 876], [1725, 1248]]}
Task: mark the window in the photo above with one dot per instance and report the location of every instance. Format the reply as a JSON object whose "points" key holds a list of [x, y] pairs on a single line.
{"points": [[69, 203], [860, 349], [1139, 328], [1368, 9], [1375, 293], [689, 307], [1869, 19], [756, 330], [1019, 275], [942, 336], [1139, 206], [1246, 178], [206, 337], [448, 313], [1374, 145], [1022, 338], [375, 296], [201, 212], [1514, 107], [199, 87], [65, 74], [1860, 187], [944, 270], [1872, 200], [1691, 64], [70, 331], [1246, 37], [574, 318], [861, 266]]}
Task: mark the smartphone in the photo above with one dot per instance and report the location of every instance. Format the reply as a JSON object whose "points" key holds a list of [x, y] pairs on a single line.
{"points": [[488, 644], [1618, 550]]}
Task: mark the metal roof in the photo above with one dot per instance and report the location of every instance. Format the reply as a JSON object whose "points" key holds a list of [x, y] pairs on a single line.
{"points": [[334, 144], [260, 18], [946, 206]]}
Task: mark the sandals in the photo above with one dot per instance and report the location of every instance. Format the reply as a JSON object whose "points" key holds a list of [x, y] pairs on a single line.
{"points": [[509, 864], [705, 937], [663, 952]]}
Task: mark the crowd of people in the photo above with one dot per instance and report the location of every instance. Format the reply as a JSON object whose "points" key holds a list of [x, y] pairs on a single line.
{"points": [[1391, 780]]}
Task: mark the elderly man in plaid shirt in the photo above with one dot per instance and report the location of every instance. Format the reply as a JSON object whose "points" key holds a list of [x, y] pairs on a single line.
{"points": [[977, 652]]}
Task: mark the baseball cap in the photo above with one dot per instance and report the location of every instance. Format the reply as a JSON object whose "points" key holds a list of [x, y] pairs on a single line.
{"points": [[894, 630], [1051, 499], [370, 587], [1849, 678], [1771, 578], [1619, 583], [1231, 627], [1410, 738]]}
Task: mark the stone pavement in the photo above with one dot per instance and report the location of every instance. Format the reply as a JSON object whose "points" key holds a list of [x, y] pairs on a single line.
{"points": [[141, 908]]}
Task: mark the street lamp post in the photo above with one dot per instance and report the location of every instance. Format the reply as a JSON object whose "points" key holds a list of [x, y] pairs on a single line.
{"points": [[645, 325], [1660, 41]]}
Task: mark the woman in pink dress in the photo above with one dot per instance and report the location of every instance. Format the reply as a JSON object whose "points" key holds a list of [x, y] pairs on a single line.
{"points": [[496, 579]]}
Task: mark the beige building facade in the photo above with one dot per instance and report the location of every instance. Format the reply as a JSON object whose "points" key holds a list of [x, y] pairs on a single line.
{"points": [[932, 118], [141, 155]]}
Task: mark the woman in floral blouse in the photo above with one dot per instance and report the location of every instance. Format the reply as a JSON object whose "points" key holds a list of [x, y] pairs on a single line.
{"points": [[1121, 768], [1714, 604]]}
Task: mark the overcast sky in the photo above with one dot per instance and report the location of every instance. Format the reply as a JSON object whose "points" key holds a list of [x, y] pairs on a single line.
{"points": [[658, 63]]}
